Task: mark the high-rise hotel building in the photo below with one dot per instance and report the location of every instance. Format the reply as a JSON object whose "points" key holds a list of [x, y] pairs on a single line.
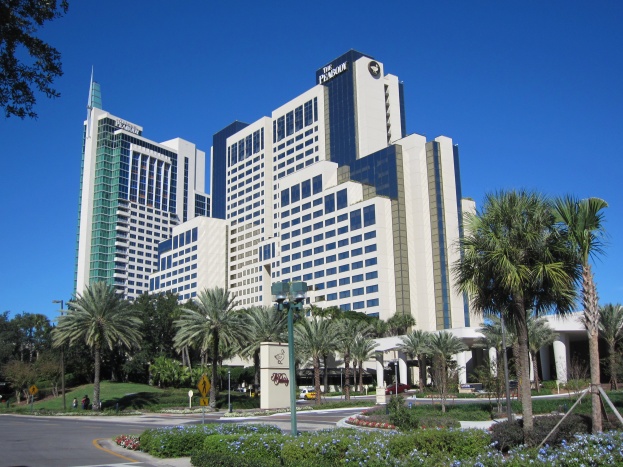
{"points": [[133, 192], [331, 190]]}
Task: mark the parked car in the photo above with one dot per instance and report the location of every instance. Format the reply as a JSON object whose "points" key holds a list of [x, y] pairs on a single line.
{"points": [[401, 388], [311, 395], [305, 391]]}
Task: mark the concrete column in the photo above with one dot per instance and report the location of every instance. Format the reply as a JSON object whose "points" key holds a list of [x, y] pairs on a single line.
{"points": [[402, 368], [381, 398], [561, 345], [545, 363], [493, 361], [460, 360], [531, 367]]}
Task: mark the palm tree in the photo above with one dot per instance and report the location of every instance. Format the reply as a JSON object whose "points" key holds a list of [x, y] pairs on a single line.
{"points": [[213, 322], [416, 345], [98, 318], [516, 259], [540, 334], [584, 222], [313, 338], [611, 329], [347, 332], [442, 347], [361, 351], [399, 324], [262, 324]]}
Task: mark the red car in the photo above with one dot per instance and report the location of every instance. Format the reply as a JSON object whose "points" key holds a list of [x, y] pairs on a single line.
{"points": [[401, 388]]}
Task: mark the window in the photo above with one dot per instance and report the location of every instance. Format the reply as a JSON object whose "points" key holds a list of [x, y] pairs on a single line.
{"points": [[355, 219], [318, 225], [307, 277], [345, 294], [345, 307], [331, 284], [332, 296], [372, 288], [306, 189], [285, 270], [329, 221], [345, 281], [342, 199], [320, 286], [357, 264], [317, 213], [307, 264], [372, 275], [373, 302], [331, 246], [331, 271], [345, 268], [342, 217], [358, 278], [317, 201], [307, 228], [308, 240], [371, 262], [318, 274], [342, 243], [319, 262], [317, 184], [296, 256], [329, 203], [343, 255], [295, 193], [371, 248], [296, 244], [357, 292], [285, 198], [318, 238], [331, 259], [355, 239], [369, 217], [356, 252], [342, 230], [369, 235], [318, 249], [307, 253], [358, 305], [329, 234], [306, 218]]}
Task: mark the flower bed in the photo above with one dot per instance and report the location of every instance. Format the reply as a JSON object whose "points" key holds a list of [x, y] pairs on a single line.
{"points": [[131, 442], [364, 421]]}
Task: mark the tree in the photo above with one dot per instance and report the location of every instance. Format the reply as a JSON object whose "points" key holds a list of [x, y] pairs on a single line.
{"points": [[583, 221], [416, 345], [19, 21], [213, 321], [313, 338], [399, 324], [33, 335], [262, 324], [347, 332], [515, 259], [21, 375], [611, 330], [100, 319], [442, 347], [540, 334], [362, 350]]}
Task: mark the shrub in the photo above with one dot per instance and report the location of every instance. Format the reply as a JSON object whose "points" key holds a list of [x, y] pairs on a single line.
{"points": [[323, 448], [439, 422], [205, 459], [250, 447], [460, 444], [507, 434], [179, 441]]}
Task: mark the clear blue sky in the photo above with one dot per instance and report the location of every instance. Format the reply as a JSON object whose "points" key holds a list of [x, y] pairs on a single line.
{"points": [[531, 91]]}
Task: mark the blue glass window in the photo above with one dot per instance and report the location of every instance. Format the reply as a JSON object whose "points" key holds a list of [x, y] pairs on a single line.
{"points": [[345, 281], [307, 264], [369, 235], [357, 264], [355, 239], [307, 241], [372, 288], [371, 248], [373, 302], [342, 230], [296, 267], [295, 193], [355, 219], [369, 216], [319, 262], [318, 274], [331, 271], [343, 255], [320, 286], [307, 228], [331, 246], [371, 262], [332, 296], [342, 199], [307, 253], [295, 256], [329, 234], [331, 258], [317, 201], [358, 305], [307, 277], [345, 294], [345, 307], [358, 278], [342, 217], [285, 198], [318, 249], [345, 267], [357, 292], [318, 238], [318, 225], [331, 284], [329, 203], [356, 252], [372, 275], [296, 244], [306, 217], [317, 184], [342, 243]]}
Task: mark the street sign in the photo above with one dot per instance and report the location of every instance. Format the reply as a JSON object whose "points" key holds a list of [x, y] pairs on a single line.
{"points": [[33, 390], [204, 385], [204, 401]]}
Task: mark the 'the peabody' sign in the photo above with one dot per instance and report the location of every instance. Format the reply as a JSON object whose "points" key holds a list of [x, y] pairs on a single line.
{"points": [[279, 378], [328, 72]]}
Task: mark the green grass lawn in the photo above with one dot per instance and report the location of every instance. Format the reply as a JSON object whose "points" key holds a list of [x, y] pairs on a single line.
{"points": [[133, 396]]}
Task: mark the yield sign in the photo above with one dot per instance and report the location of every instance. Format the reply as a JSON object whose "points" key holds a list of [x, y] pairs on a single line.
{"points": [[204, 385]]}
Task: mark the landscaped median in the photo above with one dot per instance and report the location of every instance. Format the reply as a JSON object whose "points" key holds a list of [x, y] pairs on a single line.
{"points": [[263, 445]]}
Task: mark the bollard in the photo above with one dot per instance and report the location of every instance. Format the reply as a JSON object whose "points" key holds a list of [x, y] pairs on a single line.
{"points": [[230, 407], [117, 407]]}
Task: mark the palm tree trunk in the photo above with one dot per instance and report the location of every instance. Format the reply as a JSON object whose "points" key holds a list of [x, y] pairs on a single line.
{"points": [[96, 379], [524, 367], [422, 371], [535, 370], [256, 364], [591, 314], [347, 376], [361, 376], [325, 379], [613, 367], [213, 387], [317, 378]]}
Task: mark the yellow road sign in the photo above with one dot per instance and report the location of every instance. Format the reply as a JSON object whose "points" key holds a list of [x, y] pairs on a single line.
{"points": [[33, 390], [204, 385], [204, 401]]}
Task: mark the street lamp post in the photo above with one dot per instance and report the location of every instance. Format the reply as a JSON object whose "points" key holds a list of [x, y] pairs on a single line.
{"points": [[62, 361], [229, 389], [295, 293]]}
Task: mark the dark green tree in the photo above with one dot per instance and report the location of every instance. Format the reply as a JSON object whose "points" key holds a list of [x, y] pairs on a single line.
{"points": [[21, 76]]}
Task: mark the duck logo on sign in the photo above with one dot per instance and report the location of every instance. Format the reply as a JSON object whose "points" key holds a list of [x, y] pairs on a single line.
{"points": [[374, 68]]}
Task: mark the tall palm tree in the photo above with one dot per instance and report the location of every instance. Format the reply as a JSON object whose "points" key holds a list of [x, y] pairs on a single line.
{"points": [[98, 318], [399, 324], [540, 334], [262, 324], [213, 321], [442, 347], [611, 330], [584, 222], [416, 345], [516, 259], [362, 350], [347, 332], [313, 338]]}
